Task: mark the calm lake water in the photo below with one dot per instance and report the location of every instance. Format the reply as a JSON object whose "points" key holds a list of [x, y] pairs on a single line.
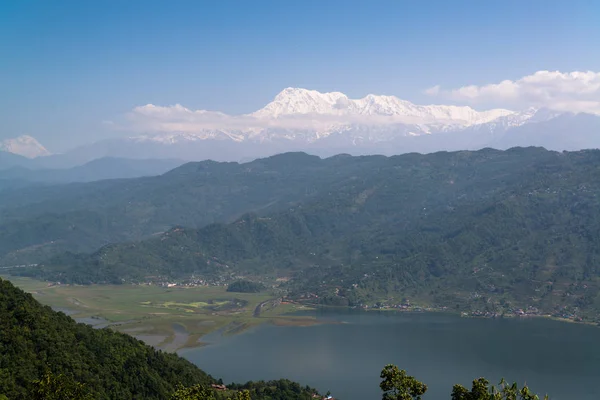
{"points": [[558, 358]]}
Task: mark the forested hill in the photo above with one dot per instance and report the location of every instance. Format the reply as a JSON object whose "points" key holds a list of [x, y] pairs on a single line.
{"points": [[38, 222], [34, 339], [46, 355], [489, 231]]}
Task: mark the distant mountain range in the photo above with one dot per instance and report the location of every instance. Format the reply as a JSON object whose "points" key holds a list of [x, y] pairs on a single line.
{"points": [[326, 124], [99, 169]]}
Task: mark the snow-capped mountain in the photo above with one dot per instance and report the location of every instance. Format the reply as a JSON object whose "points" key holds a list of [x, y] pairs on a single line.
{"points": [[308, 116], [296, 101], [528, 116], [24, 145], [331, 123]]}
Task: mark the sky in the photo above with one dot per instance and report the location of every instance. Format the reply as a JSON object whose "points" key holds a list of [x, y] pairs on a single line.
{"points": [[69, 69]]}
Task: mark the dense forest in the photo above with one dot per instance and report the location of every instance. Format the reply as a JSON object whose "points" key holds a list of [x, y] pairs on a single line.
{"points": [[243, 286], [486, 232], [46, 355], [42, 221]]}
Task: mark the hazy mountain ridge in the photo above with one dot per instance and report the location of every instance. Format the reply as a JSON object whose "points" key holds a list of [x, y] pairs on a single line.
{"points": [[461, 229], [98, 169], [38, 221]]}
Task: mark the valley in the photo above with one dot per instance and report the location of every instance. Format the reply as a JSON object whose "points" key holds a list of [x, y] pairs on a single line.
{"points": [[299, 200], [486, 233], [169, 318]]}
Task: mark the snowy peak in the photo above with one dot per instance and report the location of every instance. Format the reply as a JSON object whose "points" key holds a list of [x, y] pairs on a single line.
{"points": [[24, 145], [297, 102], [307, 117], [528, 116], [292, 101]]}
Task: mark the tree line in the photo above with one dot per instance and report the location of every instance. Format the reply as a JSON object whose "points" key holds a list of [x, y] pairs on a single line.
{"points": [[395, 384]]}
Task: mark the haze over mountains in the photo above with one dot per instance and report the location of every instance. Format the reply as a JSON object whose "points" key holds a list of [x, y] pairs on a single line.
{"points": [[324, 124], [445, 228], [95, 170]]}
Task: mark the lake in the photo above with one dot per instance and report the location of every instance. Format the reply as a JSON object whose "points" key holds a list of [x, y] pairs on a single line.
{"points": [[346, 357]]}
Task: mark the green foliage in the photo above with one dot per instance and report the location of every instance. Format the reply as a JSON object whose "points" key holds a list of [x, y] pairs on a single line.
{"points": [[243, 395], [46, 355], [396, 385], [196, 392], [481, 390], [282, 389], [40, 345], [58, 387], [245, 287]]}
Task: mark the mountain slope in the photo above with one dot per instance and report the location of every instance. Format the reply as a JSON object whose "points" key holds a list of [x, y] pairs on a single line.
{"points": [[112, 365], [39, 344], [564, 132], [9, 160], [99, 169], [468, 229], [38, 221]]}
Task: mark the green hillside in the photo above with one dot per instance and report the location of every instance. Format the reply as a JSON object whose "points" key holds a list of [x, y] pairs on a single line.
{"points": [[43, 353], [34, 339], [484, 231]]}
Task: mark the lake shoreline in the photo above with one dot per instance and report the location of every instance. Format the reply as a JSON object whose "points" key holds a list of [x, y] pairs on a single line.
{"points": [[282, 321], [149, 312], [440, 349]]}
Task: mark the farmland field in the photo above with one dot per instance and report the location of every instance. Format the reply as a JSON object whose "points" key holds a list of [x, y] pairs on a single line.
{"points": [[168, 318]]}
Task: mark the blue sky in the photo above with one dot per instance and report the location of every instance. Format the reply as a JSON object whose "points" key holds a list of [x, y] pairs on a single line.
{"points": [[67, 66]]}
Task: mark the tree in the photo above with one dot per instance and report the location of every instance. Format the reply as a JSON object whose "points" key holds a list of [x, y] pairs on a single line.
{"points": [[243, 395], [481, 390], [58, 387], [196, 392], [397, 385]]}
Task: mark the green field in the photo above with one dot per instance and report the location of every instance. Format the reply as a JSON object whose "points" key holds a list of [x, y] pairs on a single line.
{"points": [[169, 318]]}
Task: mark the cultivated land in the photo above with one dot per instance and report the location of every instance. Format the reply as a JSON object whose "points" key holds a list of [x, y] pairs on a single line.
{"points": [[168, 318]]}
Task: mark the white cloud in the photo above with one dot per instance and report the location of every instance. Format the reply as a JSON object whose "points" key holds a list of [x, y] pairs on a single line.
{"points": [[152, 118], [177, 118], [563, 91], [574, 91], [433, 91]]}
